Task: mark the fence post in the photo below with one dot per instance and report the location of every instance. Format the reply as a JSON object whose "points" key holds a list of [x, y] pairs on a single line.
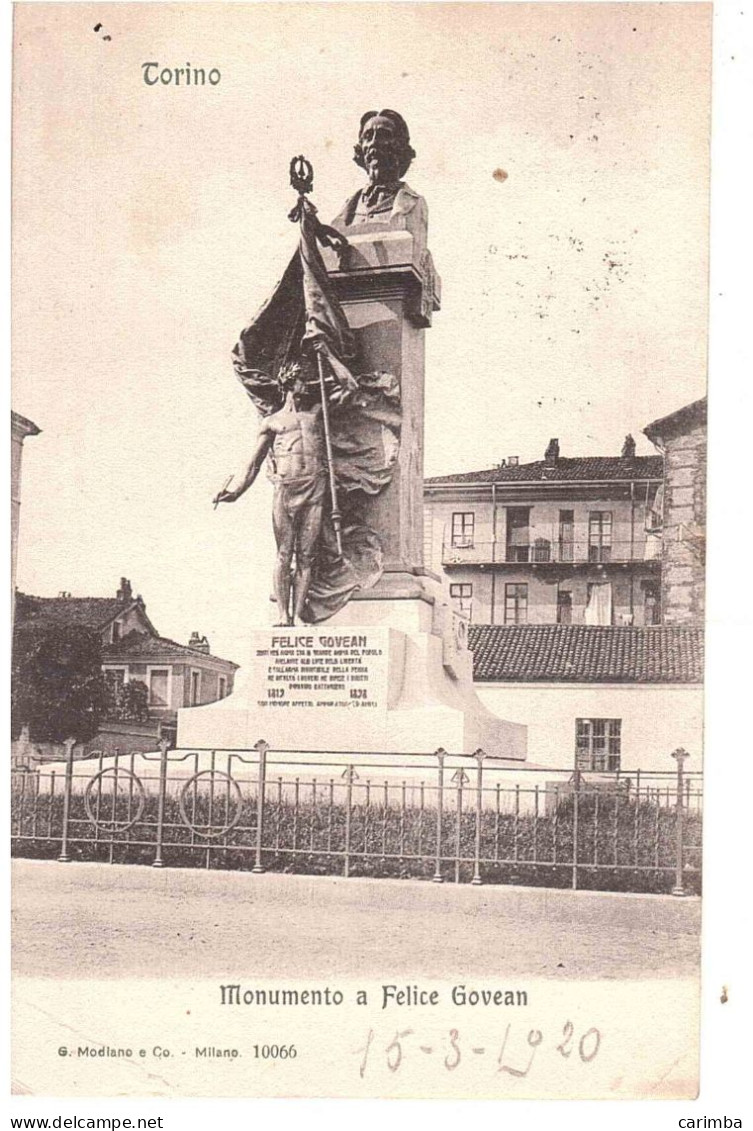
{"points": [[679, 756], [479, 755], [576, 797], [461, 777], [349, 774], [69, 745], [441, 755], [163, 745], [262, 747]]}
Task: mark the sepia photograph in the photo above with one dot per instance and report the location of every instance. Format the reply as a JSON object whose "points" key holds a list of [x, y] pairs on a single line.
{"points": [[359, 469]]}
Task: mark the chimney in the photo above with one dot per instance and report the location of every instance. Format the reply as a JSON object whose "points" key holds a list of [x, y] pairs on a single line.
{"points": [[124, 593], [502, 463], [512, 461], [552, 453], [628, 448], [199, 643]]}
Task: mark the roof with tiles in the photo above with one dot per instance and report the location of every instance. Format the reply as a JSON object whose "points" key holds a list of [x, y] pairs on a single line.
{"points": [[138, 646], [680, 421], [86, 612], [586, 653], [563, 470]]}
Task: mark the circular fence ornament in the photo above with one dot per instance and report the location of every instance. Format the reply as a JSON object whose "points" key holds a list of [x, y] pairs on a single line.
{"points": [[210, 831], [119, 776]]}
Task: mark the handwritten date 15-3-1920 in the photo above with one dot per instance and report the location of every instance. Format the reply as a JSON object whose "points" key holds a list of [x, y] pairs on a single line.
{"points": [[514, 1056]]}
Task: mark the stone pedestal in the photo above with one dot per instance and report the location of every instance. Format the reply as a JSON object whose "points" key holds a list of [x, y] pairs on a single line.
{"points": [[387, 286], [380, 677]]}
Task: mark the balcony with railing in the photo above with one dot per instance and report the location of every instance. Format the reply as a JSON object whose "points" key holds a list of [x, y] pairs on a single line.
{"points": [[542, 551]]}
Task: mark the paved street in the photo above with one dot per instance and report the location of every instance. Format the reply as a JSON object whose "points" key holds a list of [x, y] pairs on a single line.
{"points": [[128, 921]]}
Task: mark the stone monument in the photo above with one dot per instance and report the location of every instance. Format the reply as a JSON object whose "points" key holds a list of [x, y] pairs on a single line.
{"points": [[368, 653]]}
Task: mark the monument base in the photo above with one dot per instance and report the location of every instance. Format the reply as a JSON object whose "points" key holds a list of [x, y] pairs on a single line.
{"points": [[383, 675]]}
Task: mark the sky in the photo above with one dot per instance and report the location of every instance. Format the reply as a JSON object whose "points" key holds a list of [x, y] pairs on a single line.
{"points": [[151, 222]]}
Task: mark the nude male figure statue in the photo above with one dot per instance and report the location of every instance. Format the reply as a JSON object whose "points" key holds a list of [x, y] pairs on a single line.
{"points": [[293, 440]]}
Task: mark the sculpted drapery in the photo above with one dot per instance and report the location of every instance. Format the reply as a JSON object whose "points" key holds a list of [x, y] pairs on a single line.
{"points": [[302, 317]]}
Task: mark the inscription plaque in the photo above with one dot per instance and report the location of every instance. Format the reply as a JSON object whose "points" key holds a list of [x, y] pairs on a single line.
{"points": [[326, 670]]}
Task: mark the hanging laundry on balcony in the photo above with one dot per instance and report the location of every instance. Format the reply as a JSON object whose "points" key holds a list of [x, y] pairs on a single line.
{"points": [[599, 607]]}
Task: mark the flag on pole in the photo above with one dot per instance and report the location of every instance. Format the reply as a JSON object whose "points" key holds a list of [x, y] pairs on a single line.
{"points": [[301, 318]]}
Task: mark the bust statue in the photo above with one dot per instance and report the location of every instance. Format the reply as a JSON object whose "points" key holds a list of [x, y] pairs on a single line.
{"points": [[383, 149], [387, 204]]}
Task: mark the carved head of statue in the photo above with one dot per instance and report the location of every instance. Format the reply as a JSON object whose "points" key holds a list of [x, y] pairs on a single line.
{"points": [[383, 148], [294, 379], [305, 395]]}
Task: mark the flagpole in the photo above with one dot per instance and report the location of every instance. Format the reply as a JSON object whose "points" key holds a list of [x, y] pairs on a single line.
{"points": [[336, 515], [302, 179]]}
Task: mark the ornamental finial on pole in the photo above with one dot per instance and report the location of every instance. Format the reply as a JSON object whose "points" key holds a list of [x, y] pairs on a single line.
{"points": [[301, 174]]}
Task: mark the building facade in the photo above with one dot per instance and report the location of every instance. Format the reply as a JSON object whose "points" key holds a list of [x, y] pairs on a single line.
{"points": [[569, 541], [596, 699], [175, 675], [681, 438]]}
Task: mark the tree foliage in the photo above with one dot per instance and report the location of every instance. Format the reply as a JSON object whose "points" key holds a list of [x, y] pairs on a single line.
{"points": [[128, 702], [58, 689]]}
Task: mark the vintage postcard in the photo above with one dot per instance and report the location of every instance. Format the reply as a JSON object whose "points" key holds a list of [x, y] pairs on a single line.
{"points": [[359, 526]]}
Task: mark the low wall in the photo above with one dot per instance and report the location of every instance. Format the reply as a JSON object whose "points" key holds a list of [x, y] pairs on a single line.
{"points": [[656, 719], [112, 739]]}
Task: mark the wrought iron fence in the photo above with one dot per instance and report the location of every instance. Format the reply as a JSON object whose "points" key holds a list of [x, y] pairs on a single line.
{"points": [[441, 817]]}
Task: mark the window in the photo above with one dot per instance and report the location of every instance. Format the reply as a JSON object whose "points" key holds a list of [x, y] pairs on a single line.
{"points": [[222, 687], [599, 536], [462, 594], [115, 632], [518, 535], [115, 679], [567, 528], [564, 607], [516, 603], [655, 513], [159, 687], [195, 694], [597, 744], [463, 523], [651, 606]]}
